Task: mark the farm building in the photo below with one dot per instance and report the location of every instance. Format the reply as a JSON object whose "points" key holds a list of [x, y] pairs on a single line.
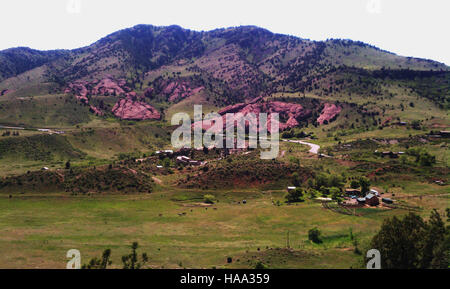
{"points": [[375, 192], [372, 200], [444, 133]]}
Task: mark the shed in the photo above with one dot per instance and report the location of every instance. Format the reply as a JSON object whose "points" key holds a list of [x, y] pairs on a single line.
{"points": [[387, 200]]}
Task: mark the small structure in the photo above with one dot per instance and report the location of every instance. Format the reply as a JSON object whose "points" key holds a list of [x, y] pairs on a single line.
{"points": [[361, 200], [375, 192], [387, 200], [164, 152], [188, 161], [444, 133], [183, 159], [392, 155], [372, 200], [290, 189], [44, 169], [159, 167]]}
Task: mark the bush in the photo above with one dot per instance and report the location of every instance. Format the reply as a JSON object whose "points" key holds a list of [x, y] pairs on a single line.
{"points": [[314, 235], [209, 199]]}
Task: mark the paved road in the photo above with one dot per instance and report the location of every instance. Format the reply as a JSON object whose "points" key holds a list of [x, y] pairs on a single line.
{"points": [[314, 149]]}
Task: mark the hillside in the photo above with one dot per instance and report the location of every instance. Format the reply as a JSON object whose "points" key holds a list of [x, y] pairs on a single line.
{"points": [[154, 68]]}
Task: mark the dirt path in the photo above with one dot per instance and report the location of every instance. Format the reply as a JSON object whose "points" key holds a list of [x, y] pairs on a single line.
{"points": [[314, 149]]}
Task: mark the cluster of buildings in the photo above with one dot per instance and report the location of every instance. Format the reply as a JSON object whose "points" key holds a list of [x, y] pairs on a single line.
{"points": [[371, 199]]}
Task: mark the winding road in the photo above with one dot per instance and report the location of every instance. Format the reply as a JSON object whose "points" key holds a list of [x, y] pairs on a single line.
{"points": [[314, 149]]}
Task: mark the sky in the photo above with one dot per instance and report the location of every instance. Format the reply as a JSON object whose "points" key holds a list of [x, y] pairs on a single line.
{"points": [[418, 28]]}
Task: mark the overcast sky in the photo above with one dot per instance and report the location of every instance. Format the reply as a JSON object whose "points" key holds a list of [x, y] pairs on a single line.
{"points": [[406, 27]]}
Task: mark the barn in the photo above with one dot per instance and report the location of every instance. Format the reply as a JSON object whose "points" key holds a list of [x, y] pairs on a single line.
{"points": [[372, 200]]}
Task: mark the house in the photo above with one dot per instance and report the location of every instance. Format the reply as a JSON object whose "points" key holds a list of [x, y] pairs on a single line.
{"points": [[372, 200], [387, 200], [444, 133]]}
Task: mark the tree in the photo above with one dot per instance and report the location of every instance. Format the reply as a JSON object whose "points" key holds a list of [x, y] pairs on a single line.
{"points": [[102, 263], [296, 195], [336, 194], [412, 243], [131, 261], [296, 179], [354, 184], [365, 184], [67, 165], [314, 235]]}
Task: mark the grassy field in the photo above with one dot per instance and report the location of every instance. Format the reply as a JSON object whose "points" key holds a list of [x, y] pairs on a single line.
{"points": [[37, 229]]}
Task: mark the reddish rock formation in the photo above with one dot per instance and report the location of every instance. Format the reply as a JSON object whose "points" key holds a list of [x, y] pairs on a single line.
{"points": [[329, 112], [178, 90], [79, 89], [109, 86], [130, 109], [291, 112]]}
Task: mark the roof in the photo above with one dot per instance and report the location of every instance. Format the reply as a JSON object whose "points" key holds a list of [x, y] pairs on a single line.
{"points": [[291, 188], [373, 191], [369, 196], [361, 199]]}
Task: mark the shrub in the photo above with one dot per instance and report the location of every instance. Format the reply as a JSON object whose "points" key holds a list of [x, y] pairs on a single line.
{"points": [[314, 235], [209, 199]]}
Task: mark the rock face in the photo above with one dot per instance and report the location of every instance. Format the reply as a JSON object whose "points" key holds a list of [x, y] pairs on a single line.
{"points": [[109, 86], [289, 113], [175, 90], [127, 108], [329, 112]]}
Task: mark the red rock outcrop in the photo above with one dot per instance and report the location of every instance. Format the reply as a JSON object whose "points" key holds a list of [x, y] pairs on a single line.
{"points": [[130, 109], [177, 90], [289, 113], [329, 112], [109, 86]]}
